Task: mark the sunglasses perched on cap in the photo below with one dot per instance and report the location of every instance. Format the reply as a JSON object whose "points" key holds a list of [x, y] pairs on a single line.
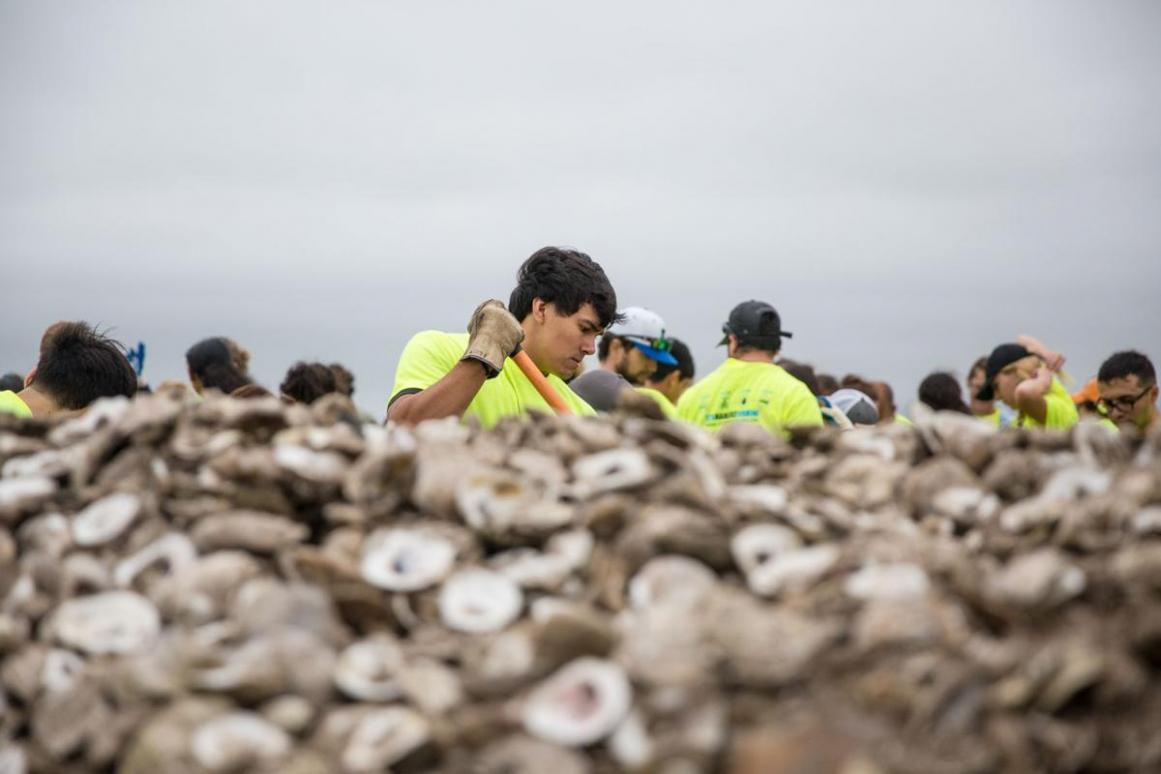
{"points": [[662, 344], [1123, 403]]}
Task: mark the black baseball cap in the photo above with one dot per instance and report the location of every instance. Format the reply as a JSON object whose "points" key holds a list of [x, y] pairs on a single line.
{"points": [[755, 323], [1001, 357]]}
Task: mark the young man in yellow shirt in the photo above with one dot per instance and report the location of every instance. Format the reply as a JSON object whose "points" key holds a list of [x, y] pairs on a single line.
{"points": [[77, 366], [561, 303], [1023, 375], [1127, 386], [749, 386], [668, 382]]}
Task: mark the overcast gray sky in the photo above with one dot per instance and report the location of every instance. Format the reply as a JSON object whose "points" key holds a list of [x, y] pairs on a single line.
{"points": [[909, 183]]}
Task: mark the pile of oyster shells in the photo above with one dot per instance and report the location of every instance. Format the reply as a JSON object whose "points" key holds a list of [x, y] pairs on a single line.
{"points": [[241, 586]]}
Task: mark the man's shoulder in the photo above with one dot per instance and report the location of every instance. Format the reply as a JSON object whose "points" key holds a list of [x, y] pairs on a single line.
{"points": [[11, 403], [598, 388], [437, 340], [427, 356], [597, 376]]}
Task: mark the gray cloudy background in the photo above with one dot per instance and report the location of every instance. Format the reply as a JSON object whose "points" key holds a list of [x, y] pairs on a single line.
{"points": [[909, 183]]}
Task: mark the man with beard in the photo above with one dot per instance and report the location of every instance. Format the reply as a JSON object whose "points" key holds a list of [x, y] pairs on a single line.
{"points": [[629, 353]]}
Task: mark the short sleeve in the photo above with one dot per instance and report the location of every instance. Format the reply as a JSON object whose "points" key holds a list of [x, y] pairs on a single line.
{"points": [[426, 359], [1061, 412], [802, 409]]}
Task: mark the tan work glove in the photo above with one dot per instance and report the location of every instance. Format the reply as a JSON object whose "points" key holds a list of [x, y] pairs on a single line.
{"points": [[495, 335]]}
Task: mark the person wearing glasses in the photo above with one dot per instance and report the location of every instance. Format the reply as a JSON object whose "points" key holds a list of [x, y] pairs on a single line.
{"points": [[749, 386], [1023, 376], [1127, 389], [629, 353]]}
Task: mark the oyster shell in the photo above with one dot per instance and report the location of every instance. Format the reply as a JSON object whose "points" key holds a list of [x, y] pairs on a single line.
{"points": [[580, 704]]}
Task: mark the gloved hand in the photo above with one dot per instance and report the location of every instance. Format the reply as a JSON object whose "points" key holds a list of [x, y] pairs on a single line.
{"points": [[495, 335]]}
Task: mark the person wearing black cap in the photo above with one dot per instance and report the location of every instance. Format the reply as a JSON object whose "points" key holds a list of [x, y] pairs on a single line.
{"points": [[1022, 374], [749, 386]]}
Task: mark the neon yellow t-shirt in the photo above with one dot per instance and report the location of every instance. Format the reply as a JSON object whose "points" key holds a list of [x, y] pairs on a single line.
{"points": [[1061, 410], [11, 403], [743, 391], [902, 420], [429, 356], [667, 407], [993, 418]]}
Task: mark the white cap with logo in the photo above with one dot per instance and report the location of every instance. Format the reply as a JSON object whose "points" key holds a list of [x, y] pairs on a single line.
{"points": [[646, 330]]}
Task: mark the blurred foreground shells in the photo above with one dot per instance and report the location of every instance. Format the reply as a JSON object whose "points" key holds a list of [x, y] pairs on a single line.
{"points": [[234, 586]]}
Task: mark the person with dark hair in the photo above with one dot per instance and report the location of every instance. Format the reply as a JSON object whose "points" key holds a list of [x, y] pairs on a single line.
{"points": [[881, 393], [749, 386], [668, 382], [561, 303], [984, 409], [11, 382], [344, 379], [1128, 390], [629, 351], [77, 366], [248, 391], [307, 382], [940, 391], [865, 386], [217, 363], [827, 384], [888, 413], [1023, 375], [804, 372]]}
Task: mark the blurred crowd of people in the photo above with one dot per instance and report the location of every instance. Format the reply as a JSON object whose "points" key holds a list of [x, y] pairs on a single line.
{"points": [[529, 355]]}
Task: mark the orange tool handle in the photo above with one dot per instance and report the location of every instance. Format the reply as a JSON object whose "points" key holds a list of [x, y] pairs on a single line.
{"points": [[540, 383]]}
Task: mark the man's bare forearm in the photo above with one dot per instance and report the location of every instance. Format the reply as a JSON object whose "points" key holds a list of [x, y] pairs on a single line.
{"points": [[449, 397]]}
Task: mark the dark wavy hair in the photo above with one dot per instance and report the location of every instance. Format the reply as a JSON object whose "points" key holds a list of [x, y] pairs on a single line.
{"points": [[1125, 364], [566, 278], [940, 391], [212, 362], [307, 382], [78, 364], [684, 359]]}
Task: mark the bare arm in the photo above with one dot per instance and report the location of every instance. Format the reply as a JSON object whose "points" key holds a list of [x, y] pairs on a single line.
{"points": [[1052, 358], [449, 397], [1030, 395]]}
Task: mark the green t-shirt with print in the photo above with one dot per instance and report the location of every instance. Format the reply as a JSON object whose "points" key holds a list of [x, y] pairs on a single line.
{"points": [[430, 355], [744, 391]]}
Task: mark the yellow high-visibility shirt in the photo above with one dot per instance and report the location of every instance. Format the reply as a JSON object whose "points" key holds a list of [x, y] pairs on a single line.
{"points": [[667, 407], [744, 391], [1061, 414], [430, 355], [11, 403]]}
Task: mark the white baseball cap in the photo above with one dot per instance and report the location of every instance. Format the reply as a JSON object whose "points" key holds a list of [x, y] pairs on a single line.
{"points": [[858, 406], [646, 330]]}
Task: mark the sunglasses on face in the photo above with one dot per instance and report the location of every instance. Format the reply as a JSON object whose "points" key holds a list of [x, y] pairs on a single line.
{"points": [[1123, 403]]}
